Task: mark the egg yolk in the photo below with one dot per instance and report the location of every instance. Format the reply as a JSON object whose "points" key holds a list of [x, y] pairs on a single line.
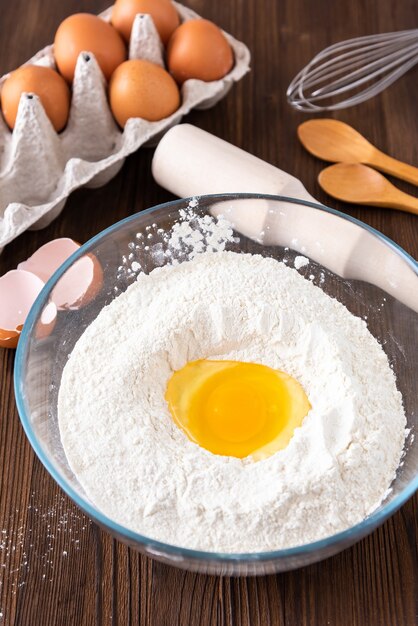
{"points": [[236, 409]]}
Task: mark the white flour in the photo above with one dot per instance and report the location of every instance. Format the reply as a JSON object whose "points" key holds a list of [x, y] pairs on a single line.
{"points": [[142, 471], [300, 261]]}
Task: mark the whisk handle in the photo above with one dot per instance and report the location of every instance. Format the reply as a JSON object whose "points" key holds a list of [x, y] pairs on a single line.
{"points": [[389, 165]]}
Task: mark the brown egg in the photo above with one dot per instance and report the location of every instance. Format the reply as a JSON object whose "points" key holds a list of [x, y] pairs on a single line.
{"points": [[44, 82], [163, 12], [199, 49], [139, 88], [83, 32]]}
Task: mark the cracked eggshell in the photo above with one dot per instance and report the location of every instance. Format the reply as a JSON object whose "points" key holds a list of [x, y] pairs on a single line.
{"points": [[79, 285], [46, 322], [48, 258], [18, 291], [91, 149], [19, 288]]}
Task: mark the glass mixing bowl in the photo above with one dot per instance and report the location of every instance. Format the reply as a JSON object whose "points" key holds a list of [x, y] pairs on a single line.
{"points": [[368, 273]]}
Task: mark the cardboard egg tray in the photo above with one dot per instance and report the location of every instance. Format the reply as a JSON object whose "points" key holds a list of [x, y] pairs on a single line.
{"points": [[40, 168]]}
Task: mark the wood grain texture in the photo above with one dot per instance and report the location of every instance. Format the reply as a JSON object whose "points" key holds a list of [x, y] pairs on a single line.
{"points": [[58, 569]]}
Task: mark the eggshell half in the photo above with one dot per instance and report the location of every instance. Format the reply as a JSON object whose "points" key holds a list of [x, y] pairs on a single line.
{"points": [[79, 285], [47, 259], [18, 291], [9, 339], [47, 321]]}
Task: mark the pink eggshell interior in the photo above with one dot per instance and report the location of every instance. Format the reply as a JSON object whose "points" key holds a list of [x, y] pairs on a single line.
{"points": [[70, 289], [49, 314], [49, 257], [46, 321], [18, 291]]}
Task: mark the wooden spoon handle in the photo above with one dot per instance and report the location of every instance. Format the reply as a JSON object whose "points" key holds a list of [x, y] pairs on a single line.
{"points": [[404, 202], [393, 199], [387, 164]]}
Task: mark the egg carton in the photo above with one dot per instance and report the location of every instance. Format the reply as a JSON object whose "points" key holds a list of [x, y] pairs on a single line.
{"points": [[40, 168]]}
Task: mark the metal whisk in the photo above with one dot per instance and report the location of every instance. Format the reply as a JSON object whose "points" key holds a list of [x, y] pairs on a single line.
{"points": [[352, 71]]}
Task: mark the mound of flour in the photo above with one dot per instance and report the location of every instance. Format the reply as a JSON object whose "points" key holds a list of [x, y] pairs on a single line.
{"points": [[141, 470]]}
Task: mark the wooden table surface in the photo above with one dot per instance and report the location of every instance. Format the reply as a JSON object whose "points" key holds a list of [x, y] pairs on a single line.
{"points": [[56, 567]]}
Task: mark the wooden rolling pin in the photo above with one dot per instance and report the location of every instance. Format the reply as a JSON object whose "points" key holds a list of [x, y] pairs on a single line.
{"points": [[191, 162]]}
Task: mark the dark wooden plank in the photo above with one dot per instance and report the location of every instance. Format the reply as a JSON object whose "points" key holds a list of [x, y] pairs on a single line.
{"points": [[58, 569]]}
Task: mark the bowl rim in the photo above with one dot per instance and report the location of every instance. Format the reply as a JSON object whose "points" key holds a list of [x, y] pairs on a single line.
{"points": [[347, 536]]}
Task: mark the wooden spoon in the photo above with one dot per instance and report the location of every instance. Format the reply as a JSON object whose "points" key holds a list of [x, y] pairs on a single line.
{"points": [[335, 141], [352, 182]]}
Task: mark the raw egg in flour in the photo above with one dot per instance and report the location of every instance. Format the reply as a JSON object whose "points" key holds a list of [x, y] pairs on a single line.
{"points": [[236, 409]]}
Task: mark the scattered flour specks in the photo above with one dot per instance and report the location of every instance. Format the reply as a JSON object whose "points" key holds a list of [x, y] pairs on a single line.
{"points": [[191, 235], [30, 540]]}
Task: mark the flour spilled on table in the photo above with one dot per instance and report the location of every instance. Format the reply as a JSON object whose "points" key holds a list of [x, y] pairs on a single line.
{"points": [[32, 537]]}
